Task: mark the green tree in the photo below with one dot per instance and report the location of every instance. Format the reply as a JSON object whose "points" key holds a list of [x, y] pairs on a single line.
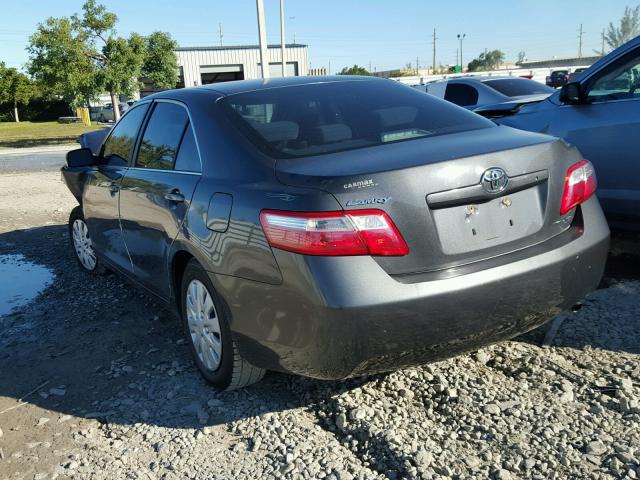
{"points": [[486, 61], [61, 63], [160, 64], [15, 88], [355, 70], [100, 60], [629, 28]]}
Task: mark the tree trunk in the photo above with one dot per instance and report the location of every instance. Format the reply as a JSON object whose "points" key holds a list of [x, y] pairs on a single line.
{"points": [[15, 111], [116, 107]]}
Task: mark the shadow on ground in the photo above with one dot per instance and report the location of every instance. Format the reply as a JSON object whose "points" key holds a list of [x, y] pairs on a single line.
{"points": [[118, 355]]}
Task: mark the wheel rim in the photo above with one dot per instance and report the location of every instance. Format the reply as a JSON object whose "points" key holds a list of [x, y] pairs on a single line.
{"points": [[82, 245], [204, 325]]}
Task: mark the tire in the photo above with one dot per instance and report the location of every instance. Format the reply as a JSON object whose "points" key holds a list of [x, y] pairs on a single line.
{"points": [[81, 244], [209, 336], [102, 119]]}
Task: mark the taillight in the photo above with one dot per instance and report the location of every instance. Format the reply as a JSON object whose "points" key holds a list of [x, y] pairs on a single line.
{"points": [[579, 184], [351, 232]]}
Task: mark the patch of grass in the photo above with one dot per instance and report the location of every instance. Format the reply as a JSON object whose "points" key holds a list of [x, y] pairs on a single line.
{"points": [[28, 134]]}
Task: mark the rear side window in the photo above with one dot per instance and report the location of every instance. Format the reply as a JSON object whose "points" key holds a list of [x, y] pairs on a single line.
{"points": [[118, 148], [515, 87], [313, 119], [162, 136], [188, 159], [461, 94]]}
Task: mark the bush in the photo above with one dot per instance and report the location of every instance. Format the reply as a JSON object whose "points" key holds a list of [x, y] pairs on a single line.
{"points": [[37, 110]]}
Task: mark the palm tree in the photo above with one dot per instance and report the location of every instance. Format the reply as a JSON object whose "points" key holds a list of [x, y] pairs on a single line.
{"points": [[629, 28]]}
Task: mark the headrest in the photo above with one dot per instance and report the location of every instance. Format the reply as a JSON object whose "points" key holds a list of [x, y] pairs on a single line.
{"points": [[395, 116], [277, 131], [335, 132]]}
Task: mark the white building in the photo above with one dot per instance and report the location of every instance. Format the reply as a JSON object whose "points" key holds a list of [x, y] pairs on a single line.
{"points": [[204, 65]]}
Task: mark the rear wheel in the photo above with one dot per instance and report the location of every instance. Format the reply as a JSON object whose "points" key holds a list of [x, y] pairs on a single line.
{"points": [[81, 243], [207, 330]]}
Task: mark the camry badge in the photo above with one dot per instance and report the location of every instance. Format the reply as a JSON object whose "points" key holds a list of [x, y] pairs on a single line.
{"points": [[494, 180]]}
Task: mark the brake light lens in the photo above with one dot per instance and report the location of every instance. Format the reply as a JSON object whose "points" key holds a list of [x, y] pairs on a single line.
{"points": [[579, 184], [350, 232]]}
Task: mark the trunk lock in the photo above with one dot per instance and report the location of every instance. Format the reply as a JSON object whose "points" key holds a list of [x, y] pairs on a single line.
{"points": [[505, 202]]}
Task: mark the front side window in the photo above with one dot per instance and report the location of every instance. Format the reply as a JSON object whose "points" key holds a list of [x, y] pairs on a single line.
{"points": [[118, 148], [313, 119], [162, 136], [461, 94], [619, 81]]}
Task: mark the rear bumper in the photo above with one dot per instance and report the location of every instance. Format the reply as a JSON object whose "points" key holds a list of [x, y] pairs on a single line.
{"points": [[337, 317]]}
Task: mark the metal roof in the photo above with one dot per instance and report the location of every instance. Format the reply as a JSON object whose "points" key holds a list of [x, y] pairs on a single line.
{"points": [[238, 47]]}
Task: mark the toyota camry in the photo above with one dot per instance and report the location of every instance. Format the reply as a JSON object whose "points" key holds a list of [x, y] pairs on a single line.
{"points": [[335, 226]]}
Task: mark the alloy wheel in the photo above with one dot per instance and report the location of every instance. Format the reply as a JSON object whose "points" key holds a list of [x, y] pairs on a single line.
{"points": [[204, 325], [82, 245]]}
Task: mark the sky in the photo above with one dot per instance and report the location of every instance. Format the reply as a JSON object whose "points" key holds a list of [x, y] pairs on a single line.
{"points": [[380, 34]]}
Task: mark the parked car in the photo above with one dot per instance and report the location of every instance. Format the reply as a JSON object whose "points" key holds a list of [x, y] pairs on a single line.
{"points": [[105, 114], [575, 74], [472, 92], [335, 226], [558, 78], [599, 112]]}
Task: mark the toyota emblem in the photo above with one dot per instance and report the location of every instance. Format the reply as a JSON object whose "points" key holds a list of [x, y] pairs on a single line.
{"points": [[494, 180]]}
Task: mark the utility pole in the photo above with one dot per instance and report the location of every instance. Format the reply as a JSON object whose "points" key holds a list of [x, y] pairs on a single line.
{"points": [[580, 45], [461, 37], [220, 32], [282, 40], [417, 67], [434, 51], [369, 66], [262, 34]]}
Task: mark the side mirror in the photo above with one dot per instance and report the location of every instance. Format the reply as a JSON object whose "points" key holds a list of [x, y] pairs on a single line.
{"points": [[572, 93], [81, 157]]}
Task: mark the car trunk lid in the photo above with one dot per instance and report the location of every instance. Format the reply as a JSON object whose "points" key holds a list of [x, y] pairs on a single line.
{"points": [[432, 190]]}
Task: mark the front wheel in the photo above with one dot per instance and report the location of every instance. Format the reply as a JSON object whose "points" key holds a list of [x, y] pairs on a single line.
{"points": [[207, 330], [82, 244]]}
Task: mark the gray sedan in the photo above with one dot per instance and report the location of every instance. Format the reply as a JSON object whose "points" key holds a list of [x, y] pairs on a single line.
{"points": [[334, 226]]}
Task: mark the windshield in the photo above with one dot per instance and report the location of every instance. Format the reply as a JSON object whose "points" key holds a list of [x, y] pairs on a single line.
{"points": [[313, 119], [516, 87]]}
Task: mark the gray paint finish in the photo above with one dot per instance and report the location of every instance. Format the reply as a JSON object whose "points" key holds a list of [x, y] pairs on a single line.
{"points": [[333, 317]]}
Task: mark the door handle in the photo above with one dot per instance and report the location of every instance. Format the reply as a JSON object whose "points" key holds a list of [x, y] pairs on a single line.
{"points": [[174, 196]]}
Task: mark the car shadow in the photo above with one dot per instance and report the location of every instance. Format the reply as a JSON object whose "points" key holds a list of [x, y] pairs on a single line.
{"points": [[606, 320], [94, 347], [98, 348]]}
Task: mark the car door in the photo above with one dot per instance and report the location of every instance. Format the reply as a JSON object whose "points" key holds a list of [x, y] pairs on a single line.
{"points": [[101, 194], [605, 129], [156, 192]]}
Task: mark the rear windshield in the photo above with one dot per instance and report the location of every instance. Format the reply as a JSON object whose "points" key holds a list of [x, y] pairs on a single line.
{"points": [[515, 87], [314, 119]]}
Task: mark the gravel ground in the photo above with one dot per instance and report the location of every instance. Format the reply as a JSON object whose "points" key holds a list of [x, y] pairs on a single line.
{"points": [[110, 390]]}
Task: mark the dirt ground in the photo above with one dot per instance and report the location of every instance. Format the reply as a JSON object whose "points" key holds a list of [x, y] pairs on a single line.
{"points": [[96, 382]]}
